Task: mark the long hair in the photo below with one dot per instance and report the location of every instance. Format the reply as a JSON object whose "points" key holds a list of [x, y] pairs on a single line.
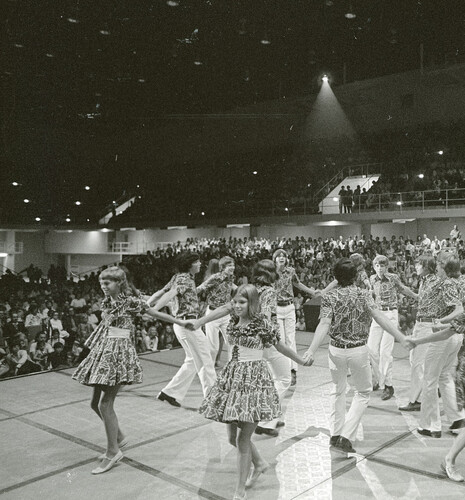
{"points": [[264, 272], [250, 293], [115, 273]]}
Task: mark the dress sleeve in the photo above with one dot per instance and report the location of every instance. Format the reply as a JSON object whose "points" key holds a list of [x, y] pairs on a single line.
{"points": [[136, 305], [269, 332]]}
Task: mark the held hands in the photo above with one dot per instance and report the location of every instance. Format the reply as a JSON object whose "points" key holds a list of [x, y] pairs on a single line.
{"points": [[187, 324], [308, 359], [409, 343]]}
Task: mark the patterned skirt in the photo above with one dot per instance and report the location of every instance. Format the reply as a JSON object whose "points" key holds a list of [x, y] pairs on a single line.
{"points": [[111, 361], [243, 392]]}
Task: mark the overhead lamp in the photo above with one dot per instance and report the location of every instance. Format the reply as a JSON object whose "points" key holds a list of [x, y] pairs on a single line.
{"points": [[255, 172], [350, 15], [14, 183], [50, 55], [421, 176], [441, 152], [203, 213], [172, 3], [77, 203], [37, 219], [72, 20], [325, 79], [26, 200], [104, 32], [87, 188], [265, 41], [68, 219]]}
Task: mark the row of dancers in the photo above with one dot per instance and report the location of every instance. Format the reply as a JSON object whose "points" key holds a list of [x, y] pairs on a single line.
{"points": [[259, 330]]}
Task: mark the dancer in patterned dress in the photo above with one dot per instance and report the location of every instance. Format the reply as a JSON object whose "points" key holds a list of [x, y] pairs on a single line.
{"points": [[244, 393], [112, 360]]}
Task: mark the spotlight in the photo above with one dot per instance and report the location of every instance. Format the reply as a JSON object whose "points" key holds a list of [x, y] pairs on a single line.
{"points": [[77, 203], [37, 219], [203, 213], [350, 15], [325, 79], [399, 203], [87, 188], [440, 152], [421, 176], [15, 183], [68, 219], [255, 172], [335, 198], [26, 200]]}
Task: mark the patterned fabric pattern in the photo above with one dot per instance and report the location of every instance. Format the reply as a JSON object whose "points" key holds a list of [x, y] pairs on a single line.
{"points": [[113, 361], [349, 310], [385, 289], [460, 376], [427, 296], [218, 289], [286, 279], [448, 297], [244, 390], [268, 300], [361, 278], [186, 300]]}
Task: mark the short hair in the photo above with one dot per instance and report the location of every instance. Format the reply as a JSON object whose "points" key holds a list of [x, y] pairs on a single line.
{"points": [[357, 259], [278, 252], [114, 273], [345, 272], [250, 293], [225, 261], [57, 344], [185, 260], [381, 259], [264, 272], [451, 266], [428, 262]]}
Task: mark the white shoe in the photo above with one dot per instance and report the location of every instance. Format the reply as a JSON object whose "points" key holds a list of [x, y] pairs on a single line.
{"points": [[121, 445], [255, 474], [113, 461], [452, 472]]}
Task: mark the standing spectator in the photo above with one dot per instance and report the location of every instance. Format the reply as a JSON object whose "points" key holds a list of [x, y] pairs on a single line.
{"points": [[349, 200], [342, 198]]}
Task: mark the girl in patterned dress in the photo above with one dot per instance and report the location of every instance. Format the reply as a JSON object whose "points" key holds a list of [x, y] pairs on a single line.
{"points": [[112, 360], [244, 393]]}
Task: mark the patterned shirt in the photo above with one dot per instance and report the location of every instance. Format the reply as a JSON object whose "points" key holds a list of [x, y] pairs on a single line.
{"points": [[186, 300], [361, 278], [449, 296], [268, 299], [385, 289], [218, 289], [286, 279], [348, 308], [433, 297]]}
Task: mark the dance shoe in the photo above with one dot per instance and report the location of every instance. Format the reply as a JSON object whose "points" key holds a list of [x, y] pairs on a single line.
{"points": [[122, 444], [427, 432], [268, 432], [240, 497], [280, 424], [411, 406], [113, 461], [375, 387], [451, 472], [458, 424], [343, 445], [255, 474], [333, 440], [172, 401], [388, 392]]}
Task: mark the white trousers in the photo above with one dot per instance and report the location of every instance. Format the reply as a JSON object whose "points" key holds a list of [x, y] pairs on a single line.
{"points": [[212, 331], [286, 321], [280, 368], [380, 346], [340, 362], [197, 360], [417, 360], [440, 361]]}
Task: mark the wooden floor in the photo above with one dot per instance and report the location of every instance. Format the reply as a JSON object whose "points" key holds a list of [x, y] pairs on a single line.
{"points": [[50, 441]]}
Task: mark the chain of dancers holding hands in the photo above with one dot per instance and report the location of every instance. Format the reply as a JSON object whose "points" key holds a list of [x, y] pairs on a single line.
{"points": [[256, 322]]}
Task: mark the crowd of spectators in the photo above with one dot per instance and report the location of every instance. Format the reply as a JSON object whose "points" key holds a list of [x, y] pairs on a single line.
{"points": [[44, 324]]}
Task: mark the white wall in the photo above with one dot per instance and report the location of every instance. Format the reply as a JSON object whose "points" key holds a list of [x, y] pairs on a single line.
{"points": [[33, 252], [82, 242]]}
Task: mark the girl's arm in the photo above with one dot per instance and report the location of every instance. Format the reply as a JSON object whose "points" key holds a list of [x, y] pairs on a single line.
{"points": [[320, 333], [332, 285], [289, 353], [218, 313]]}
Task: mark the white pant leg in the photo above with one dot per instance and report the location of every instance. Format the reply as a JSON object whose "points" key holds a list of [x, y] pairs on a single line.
{"points": [[417, 361], [338, 368], [286, 321], [385, 352], [280, 368], [359, 365], [212, 331], [373, 346], [198, 360], [446, 379]]}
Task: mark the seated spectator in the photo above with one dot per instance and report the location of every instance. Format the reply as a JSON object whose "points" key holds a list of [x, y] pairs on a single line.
{"points": [[5, 367], [34, 318], [20, 362], [92, 319], [40, 351], [56, 338], [56, 324], [79, 303], [76, 351], [57, 359], [151, 340], [13, 327]]}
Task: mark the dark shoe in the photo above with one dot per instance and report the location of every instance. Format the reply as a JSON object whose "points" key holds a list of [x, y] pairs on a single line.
{"points": [[268, 432], [293, 377], [458, 424], [427, 432], [344, 445], [387, 393], [411, 406], [280, 424], [333, 440], [164, 397], [375, 387]]}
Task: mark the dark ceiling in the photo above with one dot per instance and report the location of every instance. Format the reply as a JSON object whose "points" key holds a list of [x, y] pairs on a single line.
{"points": [[78, 75]]}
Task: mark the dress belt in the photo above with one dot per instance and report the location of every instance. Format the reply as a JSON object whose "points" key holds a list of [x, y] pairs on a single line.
{"points": [[118, 333], [388, 308], [243, 354]]}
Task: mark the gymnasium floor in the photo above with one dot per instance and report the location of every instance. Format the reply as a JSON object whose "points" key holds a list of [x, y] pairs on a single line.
{"points": [[50, 441]]}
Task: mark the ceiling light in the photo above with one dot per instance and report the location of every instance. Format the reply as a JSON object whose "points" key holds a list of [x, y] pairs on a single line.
{"points": [[26, 200], [440, 152], [19, 45], [172, 3], [68, 219], [87, 188], [421, 176], [255, 172], [14, 183], [350, 15], [48, 54], [325, 79], [77, 203], [198, 63], [72, 20], [203, 213], [265, 42], [37, 219], [104, 32]]}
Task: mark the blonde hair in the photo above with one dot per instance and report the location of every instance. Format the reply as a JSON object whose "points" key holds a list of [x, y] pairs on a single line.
{"points": [[114, 273], [250, 293]]}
